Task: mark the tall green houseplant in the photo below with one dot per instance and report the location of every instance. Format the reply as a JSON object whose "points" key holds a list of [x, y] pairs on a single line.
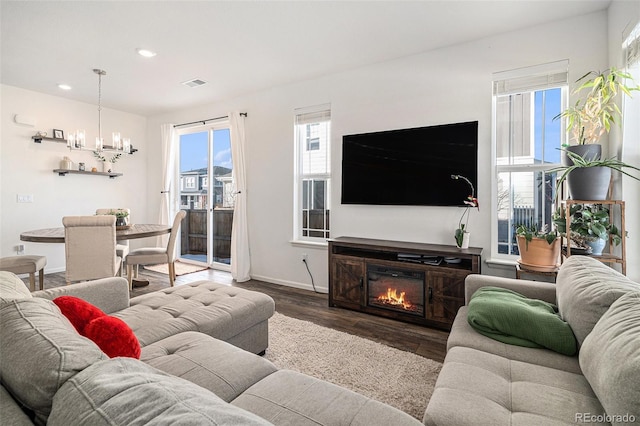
{"points": [[590, 118]]}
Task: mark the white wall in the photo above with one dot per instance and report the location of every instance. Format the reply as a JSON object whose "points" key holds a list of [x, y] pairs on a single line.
{"points": [[27, 168], [623, 15], [442, 86]]}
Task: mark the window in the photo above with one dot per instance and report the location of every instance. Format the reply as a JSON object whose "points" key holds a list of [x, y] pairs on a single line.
{"points": [[527, 140], [313, 136], [190, 182], [313, 173]]}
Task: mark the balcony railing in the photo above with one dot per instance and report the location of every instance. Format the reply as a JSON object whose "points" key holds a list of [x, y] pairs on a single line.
{"points": [[193, 238]]}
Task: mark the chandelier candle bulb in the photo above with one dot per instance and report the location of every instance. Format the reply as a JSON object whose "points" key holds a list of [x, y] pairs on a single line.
{"points": [[80, 138], [115, 136]]}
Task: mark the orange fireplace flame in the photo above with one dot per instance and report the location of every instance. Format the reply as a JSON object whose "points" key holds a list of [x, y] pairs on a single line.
{"points": [[392, 298]]}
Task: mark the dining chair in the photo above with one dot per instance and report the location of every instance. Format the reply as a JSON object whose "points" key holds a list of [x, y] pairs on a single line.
{"points": [[26, 265], [90, 247], [122, 247], [156, 255]]}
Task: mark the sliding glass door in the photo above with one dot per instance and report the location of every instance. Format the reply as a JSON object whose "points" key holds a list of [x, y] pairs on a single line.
{"points": [[207, 194]]}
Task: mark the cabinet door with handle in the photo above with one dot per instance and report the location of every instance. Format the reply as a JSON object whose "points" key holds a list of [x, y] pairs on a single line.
{"points": [[445, 294], [346, 285]]}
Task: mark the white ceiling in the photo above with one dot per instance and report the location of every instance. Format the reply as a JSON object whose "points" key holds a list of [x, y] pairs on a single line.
{"points": [[237, 47]]}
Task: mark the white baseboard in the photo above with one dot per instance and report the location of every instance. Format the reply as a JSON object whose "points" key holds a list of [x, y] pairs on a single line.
{"points": [[303, 286]]}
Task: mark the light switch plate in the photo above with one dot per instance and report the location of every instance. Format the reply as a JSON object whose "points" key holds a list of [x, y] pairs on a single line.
{"points": [[25, 198]]}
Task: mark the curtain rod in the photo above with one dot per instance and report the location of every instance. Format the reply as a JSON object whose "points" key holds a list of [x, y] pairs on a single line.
{"points": [[203, 122]]}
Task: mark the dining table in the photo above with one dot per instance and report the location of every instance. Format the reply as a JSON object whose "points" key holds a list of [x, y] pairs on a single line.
{"points": [[129, 232]]}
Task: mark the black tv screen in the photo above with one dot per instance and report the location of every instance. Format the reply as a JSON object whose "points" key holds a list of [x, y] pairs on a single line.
{"points": [[410, 166]]}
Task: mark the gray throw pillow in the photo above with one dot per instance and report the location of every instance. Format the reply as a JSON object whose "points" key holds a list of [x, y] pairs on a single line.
{"points": [[40, 351], [12, 287], [610, 360], [125, 391], [586, 288]]}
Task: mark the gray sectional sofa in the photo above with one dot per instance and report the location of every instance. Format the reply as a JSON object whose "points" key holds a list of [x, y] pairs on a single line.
{"points": [[198, 363], [485, 382]]}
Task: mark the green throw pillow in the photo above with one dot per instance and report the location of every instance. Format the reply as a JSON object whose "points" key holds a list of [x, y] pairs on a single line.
{"points": [[512, 318]]}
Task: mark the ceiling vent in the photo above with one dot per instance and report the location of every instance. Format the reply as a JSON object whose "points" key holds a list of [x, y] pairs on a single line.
{"points": [[194, 83]]}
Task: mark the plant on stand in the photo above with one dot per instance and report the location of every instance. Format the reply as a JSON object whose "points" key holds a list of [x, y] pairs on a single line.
{"points": [[539, 248], [588, 120], [462, 234], [108, 166], [590, 227]]}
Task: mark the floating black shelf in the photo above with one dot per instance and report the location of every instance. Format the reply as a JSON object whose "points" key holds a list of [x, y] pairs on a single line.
{"points": [[62, 172]]}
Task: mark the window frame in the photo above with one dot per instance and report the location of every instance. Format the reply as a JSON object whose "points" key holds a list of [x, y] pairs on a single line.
{"points": [[526, 80], [306, 117]]}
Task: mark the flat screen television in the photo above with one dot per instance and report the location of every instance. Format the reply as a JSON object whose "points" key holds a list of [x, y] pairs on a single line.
{"points": [[410, 166]]}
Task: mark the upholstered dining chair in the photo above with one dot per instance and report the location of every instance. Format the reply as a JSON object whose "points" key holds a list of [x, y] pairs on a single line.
{"points": [[122, 247], [156, 255], [90, 247]]}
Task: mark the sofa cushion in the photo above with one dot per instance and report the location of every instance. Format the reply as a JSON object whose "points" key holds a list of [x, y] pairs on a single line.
{"points": [[12, 414], [217, 310], [476, 387], [40, 351], [463, 335], [586, 289], [125, 391], [290, 398], [213, 364], [79, 312], [12, 287], [610, 359]]}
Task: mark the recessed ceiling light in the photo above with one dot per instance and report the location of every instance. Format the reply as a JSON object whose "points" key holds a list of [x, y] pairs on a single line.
{"points": [[64, 86], [146, 53]]}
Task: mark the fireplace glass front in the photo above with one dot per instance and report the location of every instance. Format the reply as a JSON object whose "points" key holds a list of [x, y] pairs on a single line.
{"points": [[400, 290]]}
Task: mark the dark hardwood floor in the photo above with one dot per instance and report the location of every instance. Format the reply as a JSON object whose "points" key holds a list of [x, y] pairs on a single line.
{"points": [[309, 306]]}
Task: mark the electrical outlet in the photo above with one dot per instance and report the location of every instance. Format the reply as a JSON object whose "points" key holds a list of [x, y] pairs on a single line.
{"points": [[304, 257], [19, 249]]}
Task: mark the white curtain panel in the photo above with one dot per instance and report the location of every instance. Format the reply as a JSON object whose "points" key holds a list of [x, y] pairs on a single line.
{"points": [[240, 257], [167, 197]]}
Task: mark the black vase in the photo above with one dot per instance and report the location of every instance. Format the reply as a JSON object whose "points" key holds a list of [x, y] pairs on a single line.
{"points": [[121, 221]]}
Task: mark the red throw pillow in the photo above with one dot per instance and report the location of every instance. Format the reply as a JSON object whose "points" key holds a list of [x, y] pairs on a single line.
{"points": [[79, 312], [113, 336]]}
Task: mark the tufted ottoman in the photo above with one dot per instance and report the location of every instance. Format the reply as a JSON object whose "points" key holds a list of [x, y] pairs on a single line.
{"points": [[231, 314]]}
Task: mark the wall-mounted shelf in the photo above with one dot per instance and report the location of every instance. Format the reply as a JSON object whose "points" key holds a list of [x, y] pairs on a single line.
{"points": [[39, 139], [62, 172]]}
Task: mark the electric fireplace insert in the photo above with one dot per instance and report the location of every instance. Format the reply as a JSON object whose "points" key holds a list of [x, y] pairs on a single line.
{"points": [[395, 289]]}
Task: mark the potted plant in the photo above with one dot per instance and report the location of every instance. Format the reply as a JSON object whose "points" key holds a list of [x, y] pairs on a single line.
{"points": [[108, 166], [588, 179], [590, 118], [121, 217], [462, 234], [590, 227], [539, 249]]}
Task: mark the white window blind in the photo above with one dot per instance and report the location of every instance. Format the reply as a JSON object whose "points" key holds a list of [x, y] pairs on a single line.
{"points": [[631, 46], [317, 114], [554, 74]]}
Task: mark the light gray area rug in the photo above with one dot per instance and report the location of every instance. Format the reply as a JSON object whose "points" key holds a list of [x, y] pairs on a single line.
{"points": [[401, 379]]}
